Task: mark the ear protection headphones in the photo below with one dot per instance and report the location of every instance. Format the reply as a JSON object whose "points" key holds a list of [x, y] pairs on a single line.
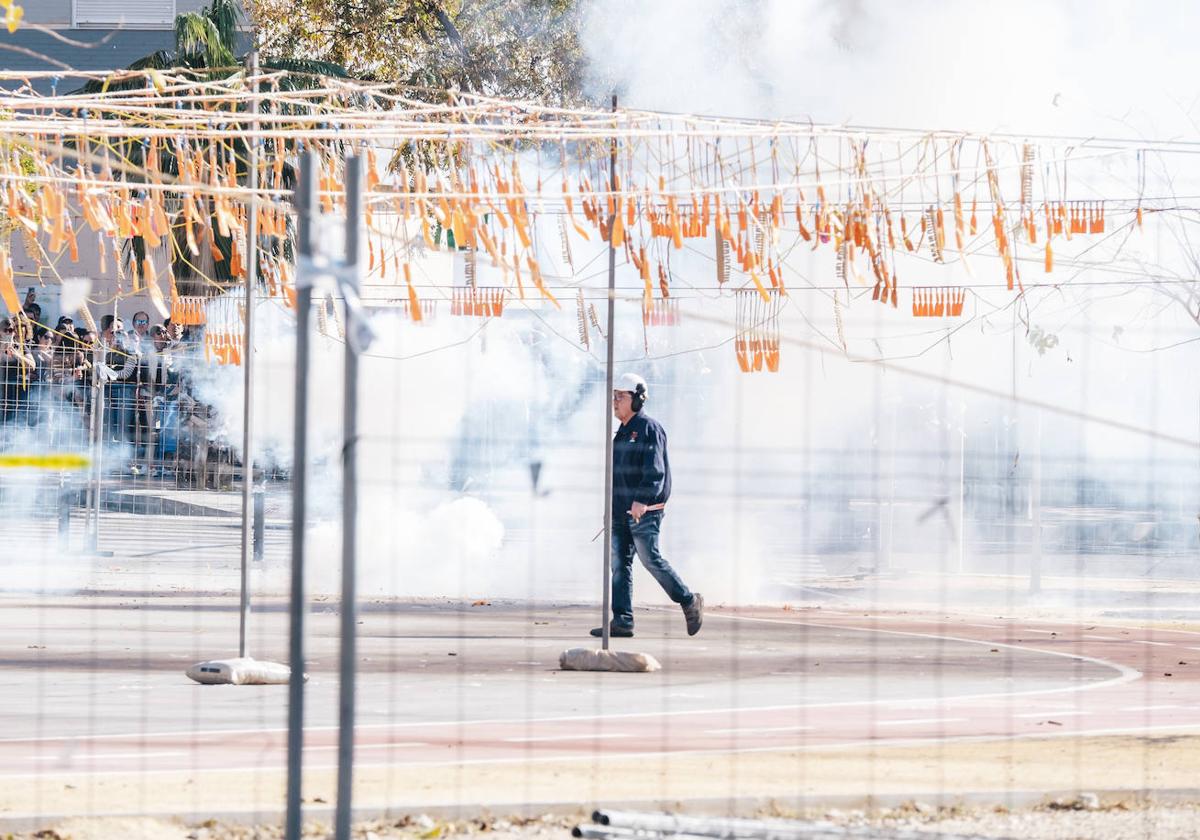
{"points": [[639, 398]]}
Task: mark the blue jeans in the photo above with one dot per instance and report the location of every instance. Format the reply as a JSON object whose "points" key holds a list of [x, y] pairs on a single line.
{"points": [[119, 409], [642, 537]]}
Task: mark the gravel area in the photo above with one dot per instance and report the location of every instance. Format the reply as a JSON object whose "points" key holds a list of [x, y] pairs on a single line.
{"points": [[1082, 818]]}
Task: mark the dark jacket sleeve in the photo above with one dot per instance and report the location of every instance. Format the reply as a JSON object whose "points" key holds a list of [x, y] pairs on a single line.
{"points": [[654, 466]]}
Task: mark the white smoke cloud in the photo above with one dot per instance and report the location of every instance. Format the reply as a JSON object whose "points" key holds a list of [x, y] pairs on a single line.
{"points": [[1103, 69], [768, 468], [1081, 68]]}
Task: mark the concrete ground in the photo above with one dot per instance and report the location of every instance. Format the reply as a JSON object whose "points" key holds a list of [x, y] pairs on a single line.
{"points": [[878, 688], [462, 706]]}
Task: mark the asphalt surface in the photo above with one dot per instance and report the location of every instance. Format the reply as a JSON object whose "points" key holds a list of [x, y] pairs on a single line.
{"points": [[95, 683]]}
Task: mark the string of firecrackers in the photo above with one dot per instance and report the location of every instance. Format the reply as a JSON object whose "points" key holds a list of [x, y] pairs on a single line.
{"points": [[660, 313], [631, 218], [476, 302], [120, 212], [392, 116], [415, 121], [757, 338], [938, 302], [484, 206], [224, 319]]}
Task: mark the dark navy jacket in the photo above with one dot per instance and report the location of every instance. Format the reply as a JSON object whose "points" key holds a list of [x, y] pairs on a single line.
{"points": [[641, 471]]}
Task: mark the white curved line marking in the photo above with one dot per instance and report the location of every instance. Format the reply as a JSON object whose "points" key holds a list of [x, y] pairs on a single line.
{"points": [[1126, 675]]}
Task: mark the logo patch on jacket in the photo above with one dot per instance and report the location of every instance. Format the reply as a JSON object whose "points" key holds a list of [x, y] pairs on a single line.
{"points": [[633, 437]]}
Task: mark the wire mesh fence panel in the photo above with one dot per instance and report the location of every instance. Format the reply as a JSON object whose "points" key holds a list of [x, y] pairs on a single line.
{"points": [[643, 522]]}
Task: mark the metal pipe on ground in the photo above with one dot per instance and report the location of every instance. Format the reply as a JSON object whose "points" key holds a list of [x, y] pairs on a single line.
{"points": [[619, 825], [701, 826]]}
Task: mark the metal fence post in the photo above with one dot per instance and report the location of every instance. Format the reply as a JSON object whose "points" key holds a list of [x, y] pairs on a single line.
{"points": [[606, 600], [248, 358], [65, 499], [1035, 504], [349, 641], [306, 209], [260, 526], [97, 434]]}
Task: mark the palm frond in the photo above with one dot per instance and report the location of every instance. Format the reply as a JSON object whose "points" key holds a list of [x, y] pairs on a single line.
{"points": [[158, 60], [199, 43], [227, 17]]}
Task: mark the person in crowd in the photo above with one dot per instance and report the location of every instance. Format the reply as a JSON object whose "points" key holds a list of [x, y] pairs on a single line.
{"points": [[16, 368], [48, 378], [144, 391], [141, 327], [68, 364], [120, 366], [40, 398], [43, 356], [86, 346]]}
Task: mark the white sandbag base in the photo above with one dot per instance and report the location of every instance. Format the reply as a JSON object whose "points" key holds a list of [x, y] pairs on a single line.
{"points": [[240, 671], [589, 659]]}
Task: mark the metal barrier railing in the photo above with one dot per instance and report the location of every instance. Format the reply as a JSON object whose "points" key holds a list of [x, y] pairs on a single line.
{"points": [[132, 411]]}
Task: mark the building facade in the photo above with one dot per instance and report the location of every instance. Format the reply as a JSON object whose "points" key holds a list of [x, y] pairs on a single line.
{"points": [[116, 32]]}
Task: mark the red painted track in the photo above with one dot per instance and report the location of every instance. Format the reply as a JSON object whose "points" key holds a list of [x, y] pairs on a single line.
{"points": [[1153, 687]]}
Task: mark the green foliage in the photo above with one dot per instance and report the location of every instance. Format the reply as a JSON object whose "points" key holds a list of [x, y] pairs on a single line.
{"points": [[524, 49], [198, 42]]}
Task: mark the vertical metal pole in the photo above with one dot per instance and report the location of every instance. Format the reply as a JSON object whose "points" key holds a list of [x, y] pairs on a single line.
{"points": [[962, 490], [97, 445], [606, 602], [65, 500], [1035, 503], [349, 655], [260, 525], [90, 490], [306, 209], [248, 359]]}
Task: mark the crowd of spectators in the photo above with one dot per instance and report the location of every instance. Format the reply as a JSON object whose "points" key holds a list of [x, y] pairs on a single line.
{"points": [[50, 376]]}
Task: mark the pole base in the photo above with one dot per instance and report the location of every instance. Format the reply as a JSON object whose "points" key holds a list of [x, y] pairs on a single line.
{"points": [[240, 671], [587, 659]]}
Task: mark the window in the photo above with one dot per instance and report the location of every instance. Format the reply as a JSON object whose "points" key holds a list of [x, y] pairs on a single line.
{"points": [[140, 13]]}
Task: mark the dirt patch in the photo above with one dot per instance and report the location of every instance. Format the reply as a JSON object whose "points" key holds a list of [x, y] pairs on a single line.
{"points": [[992, 772]]}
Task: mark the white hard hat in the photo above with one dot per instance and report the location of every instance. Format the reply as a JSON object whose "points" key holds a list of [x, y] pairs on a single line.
{"points": [[629, 382]]}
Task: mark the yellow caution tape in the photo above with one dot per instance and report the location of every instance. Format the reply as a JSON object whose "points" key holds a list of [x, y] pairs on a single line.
{"points": [[60, 461]]}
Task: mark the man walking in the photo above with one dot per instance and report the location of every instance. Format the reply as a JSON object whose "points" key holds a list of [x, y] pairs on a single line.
{"points": [[641, 488]]}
